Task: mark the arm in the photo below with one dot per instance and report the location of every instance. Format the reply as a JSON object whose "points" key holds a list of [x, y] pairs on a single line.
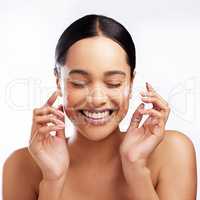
{"points": [[141, 187], [51, 190], [177, 179], [49, 152], [178, 174], [20, 180]]}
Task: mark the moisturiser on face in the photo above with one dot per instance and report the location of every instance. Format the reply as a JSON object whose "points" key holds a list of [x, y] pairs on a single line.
{"points": [[126, 91]]}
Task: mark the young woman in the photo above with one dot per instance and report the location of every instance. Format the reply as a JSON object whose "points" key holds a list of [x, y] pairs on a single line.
{"points": [[95, 69]]}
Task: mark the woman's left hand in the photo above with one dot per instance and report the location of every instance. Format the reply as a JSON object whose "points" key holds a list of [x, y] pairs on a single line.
{"points": [[139, 142]]}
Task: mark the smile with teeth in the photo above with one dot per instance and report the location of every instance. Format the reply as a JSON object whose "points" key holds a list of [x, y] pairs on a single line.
{"points": [[98, 115], [97, 118]]}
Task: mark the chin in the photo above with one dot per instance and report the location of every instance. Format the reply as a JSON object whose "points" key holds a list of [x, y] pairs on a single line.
{"points": [[96, 132]]}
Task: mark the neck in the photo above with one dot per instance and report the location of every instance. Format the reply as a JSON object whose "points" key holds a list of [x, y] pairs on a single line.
{"points": [[94, 153]]}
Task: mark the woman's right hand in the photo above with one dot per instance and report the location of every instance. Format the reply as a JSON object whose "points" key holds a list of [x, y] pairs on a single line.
{"points": [[50, 152]]}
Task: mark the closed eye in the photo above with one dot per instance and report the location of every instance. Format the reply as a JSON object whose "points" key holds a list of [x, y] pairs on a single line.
{"points": [[81, 84], [78, 83], [114, 85]]}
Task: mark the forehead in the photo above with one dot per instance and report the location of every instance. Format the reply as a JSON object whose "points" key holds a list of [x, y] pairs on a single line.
{"points": [[97, 55]]}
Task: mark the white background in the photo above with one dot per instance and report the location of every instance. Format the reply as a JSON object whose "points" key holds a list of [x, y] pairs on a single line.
{"points": [[166, 35]]}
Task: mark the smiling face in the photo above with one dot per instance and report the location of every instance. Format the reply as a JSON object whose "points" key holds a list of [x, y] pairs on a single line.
{"points": [[97, 86]]}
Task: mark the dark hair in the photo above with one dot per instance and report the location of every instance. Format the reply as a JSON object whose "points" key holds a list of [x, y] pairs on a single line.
{"points": [[90, 26]]}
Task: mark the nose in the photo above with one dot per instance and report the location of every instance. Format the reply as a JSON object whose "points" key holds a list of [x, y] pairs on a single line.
{"points": [[97, 97]]}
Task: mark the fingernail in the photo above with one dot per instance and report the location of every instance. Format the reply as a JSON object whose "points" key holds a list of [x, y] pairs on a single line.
{"points": [[149, 85], [141, 105]]}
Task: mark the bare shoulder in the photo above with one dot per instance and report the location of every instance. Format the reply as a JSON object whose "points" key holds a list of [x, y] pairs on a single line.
{"points": [[21, 160], [178, 170], [20, 174], [175, 146], [177, 136], [176, 143]]}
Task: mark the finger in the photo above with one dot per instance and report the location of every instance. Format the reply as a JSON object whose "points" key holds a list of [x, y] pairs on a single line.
{"points": [[61, 133], [51, 99], [152, 112], [45, 130], [161, 105], [155, 121], [60, 109], [137, 117], [150, 89], [48, 110], [167, 108], [43, 133], [157, 103], [48, 119], [151, 120], [156, 125], [41, 112], [153, 94]]}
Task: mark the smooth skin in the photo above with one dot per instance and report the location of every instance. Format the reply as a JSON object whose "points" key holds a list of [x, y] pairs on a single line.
{"points": [[145, 162]]}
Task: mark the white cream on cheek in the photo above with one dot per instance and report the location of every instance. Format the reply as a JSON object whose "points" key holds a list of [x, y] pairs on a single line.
{"points": [[126, 91]]}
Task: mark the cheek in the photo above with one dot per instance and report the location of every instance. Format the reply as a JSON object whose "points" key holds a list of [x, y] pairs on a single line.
{"points": [[126, 92], [121, 98], [124, 104], [74, 97], [124, 101]]}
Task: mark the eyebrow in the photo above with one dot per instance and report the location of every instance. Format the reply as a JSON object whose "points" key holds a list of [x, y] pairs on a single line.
{"points": [[108, 73]]}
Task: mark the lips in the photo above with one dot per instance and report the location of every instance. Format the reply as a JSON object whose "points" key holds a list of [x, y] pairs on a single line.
{"points": [[97, 111], [97, 117]]}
